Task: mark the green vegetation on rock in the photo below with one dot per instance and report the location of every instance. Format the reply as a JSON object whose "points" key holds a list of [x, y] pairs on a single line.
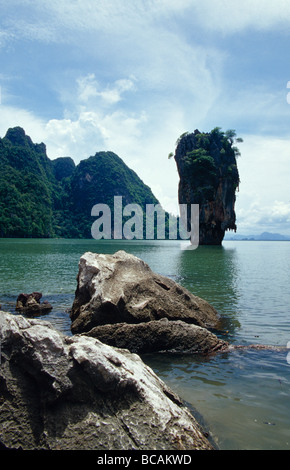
{"points": [[45, 198], [209, 157]]}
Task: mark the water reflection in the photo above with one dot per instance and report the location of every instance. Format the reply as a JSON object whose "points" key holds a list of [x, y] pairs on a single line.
{"points": [[212, 272]]}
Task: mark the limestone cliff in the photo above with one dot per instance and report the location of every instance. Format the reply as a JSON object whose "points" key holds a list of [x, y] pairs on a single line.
{"points": [[209, 176]]}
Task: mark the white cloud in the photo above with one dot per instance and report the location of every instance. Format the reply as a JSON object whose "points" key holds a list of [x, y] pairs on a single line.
{"points": [[12, 117], [5, 37], [259, 217], [125, 43], [89, 89], [92, 132], [278, 215], [46, 19], [231, 16], [264, 190], [96, 121], [262, 107], [114, 95]]}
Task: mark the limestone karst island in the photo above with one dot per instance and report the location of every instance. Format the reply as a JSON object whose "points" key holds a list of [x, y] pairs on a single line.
{"points": [[209, 176]]}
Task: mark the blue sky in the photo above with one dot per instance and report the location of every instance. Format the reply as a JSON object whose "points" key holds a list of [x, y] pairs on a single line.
{"points": [[131, 76]]}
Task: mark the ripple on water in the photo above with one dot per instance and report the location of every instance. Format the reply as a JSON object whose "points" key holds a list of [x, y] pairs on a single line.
{"points": [[242, 395]]}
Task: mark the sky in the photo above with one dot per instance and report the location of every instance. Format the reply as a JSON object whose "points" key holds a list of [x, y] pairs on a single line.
{"points": [[132, 76]]}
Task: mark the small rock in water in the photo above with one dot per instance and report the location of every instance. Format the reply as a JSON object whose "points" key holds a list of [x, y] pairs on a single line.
{"points": [[29, 304]]}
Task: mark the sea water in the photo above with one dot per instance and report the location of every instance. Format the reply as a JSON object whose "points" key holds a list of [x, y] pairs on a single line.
{"points": [[242, 397]]}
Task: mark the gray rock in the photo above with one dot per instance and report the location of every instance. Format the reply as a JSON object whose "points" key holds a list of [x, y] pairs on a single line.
{"points": [[70, 393], [29, 304], [122, 288], [160, 336]]}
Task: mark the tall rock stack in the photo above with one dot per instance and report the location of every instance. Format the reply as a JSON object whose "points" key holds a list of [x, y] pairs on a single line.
{"points": [[209, 176]]}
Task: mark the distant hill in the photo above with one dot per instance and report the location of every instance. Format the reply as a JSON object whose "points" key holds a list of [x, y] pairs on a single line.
{"points": [[266, 236], [45, 198], [97, 180]]}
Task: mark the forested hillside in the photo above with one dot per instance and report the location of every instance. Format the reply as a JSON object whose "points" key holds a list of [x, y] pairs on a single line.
{"points": [[45, 198]]}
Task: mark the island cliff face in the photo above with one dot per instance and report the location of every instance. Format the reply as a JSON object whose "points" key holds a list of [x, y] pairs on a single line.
{"points": [[208, 172]]}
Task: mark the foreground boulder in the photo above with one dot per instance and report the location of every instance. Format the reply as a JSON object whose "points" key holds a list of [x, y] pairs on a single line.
{"points": [[122, 288], [70, 393]]}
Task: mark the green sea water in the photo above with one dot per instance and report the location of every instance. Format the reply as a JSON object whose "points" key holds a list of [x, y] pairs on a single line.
{"points": [[242, 396]]}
